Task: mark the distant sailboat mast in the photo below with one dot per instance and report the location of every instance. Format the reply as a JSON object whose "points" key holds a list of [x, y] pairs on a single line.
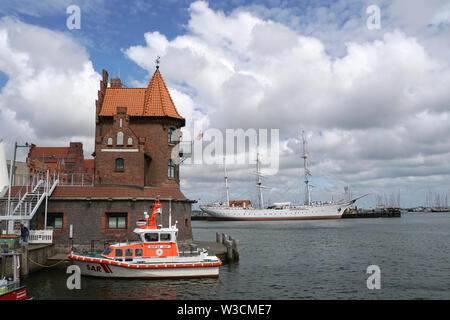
{"points": [[307, 173]]}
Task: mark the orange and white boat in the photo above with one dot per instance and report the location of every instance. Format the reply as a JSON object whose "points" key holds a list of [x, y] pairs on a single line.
{"points": [[156, 255]]}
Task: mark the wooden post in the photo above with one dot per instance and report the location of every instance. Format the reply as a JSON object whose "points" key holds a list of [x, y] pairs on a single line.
{"points": [[235, 247], [217, 237], [229, 250], [224, 238], [24, 261]]}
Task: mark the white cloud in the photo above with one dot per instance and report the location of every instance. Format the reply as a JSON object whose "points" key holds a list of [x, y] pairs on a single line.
{"points": [[51, 89], [382, 103]]}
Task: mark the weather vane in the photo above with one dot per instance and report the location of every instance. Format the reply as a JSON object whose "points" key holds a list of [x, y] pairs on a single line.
{"points": [[157, 62]]}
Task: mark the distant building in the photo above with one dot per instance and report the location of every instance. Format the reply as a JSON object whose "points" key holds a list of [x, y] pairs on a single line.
{"points": [[66, 163], [21, 175]]}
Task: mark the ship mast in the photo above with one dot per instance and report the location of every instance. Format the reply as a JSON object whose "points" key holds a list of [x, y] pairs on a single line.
{"points": [[226, 181], [307, 173], [259, 183]]}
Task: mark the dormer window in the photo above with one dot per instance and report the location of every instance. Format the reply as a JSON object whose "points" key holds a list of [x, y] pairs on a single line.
{"points": [[120, 138]]}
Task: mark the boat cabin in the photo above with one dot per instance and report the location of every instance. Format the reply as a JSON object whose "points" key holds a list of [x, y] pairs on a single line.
{"points": [[155, 241], [158, 243]]}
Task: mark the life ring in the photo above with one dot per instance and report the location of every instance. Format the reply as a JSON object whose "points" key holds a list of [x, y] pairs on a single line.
{"points": [[159, 252]]}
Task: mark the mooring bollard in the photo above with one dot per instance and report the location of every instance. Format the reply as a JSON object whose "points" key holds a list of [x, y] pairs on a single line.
{"points": [[217, 237], [235, 248], [229, 246], [224, 238]]}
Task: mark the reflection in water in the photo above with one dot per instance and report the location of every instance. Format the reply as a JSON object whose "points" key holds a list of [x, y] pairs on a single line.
{"points": [[51, 284], [147, 289]]}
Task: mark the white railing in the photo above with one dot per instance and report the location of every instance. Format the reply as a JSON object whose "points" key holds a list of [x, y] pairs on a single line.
{"points": [[40, 236]]}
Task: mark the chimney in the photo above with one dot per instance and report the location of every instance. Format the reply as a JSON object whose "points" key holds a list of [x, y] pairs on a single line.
{"points": [[115, 83]]}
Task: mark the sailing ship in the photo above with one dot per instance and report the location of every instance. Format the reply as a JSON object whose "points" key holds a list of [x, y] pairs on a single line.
{"points": [[278, 211]]}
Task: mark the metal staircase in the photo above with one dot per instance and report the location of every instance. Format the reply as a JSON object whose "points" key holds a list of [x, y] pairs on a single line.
{"points": [[24, 208]]}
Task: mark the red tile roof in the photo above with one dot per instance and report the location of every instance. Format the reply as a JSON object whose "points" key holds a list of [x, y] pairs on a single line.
{"points": [[153, 101], [132, 98]]}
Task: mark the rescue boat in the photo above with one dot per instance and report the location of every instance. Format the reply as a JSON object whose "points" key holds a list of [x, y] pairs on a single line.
{"points": [[155, 255]]}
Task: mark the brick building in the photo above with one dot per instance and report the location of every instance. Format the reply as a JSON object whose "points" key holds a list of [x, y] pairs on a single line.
{"points": [[66, 163], [134, 135], [132, 166]]}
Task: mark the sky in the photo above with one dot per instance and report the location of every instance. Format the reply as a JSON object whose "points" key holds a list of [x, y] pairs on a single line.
{"points": [[372, 96]]}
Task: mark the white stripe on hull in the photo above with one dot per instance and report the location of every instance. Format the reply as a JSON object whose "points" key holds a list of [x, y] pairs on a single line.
{"points": [[111, 271]]}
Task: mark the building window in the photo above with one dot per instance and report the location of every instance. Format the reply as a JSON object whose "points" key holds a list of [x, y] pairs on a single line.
{"points": [[109, 141], [119, 138], [120, 164], [171, 171], [130, 141], [55, 220], [117, 220], [171, 136]]}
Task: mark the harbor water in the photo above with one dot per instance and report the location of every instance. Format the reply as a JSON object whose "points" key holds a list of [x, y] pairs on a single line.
{"points": [[322, 259]]}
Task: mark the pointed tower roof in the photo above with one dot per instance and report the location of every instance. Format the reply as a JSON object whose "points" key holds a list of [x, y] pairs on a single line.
{"points": [[153, 101], [158, 101]]}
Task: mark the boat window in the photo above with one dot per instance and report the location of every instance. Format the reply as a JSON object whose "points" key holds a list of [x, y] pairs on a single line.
{"points": [[129, 252], [138, 252], [164, 236], [119, 252], [107, 251], [149, 237]]}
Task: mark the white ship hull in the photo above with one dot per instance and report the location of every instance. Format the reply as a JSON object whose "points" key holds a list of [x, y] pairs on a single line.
{"points": [[312, 212], [175, 268]]}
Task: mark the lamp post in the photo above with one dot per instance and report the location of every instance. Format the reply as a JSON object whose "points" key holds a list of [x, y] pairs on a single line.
{"points": [[12, 171]]}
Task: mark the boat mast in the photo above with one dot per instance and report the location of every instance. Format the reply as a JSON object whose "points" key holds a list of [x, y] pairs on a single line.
{"points": [[259, 183], [307, 173], [226, 182]]}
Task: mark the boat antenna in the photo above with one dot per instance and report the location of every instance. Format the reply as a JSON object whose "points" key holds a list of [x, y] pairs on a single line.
{"points": [[226, 181], [307, 172]]}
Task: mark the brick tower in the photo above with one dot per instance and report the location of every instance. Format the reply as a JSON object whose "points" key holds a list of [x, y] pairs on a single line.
{"points": [[134, 134]]}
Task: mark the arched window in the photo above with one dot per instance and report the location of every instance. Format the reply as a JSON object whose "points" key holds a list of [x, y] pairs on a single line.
{"points": [[109, 141], [130, 141], [120, 164], [119, 138], [171, 169]]}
